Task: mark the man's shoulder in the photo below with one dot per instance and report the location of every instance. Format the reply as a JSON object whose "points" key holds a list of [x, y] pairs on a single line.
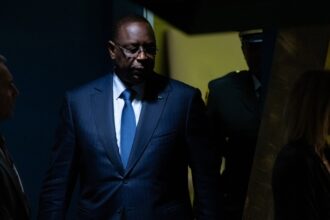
{"points": [[99, 82], [229, 78], [171, 83]]}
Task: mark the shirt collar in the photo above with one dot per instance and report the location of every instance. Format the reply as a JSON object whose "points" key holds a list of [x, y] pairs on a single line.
{"points": [[256, 82], [119, 87]]}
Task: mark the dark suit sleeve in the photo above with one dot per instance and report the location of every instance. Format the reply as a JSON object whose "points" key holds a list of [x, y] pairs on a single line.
{"points": [[62, 173], [216, 124], [5, 195], [203, 162]]}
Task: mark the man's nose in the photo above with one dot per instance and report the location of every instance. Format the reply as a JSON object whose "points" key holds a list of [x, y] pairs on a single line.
{"points": [[142, 54]]}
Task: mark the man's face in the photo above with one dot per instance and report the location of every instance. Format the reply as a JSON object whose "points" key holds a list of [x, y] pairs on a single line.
{"points": [[133, 51], [8, 93], [253, 56]]}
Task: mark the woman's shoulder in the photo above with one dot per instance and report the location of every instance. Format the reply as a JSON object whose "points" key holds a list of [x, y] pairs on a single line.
{"points": [[295, 154]]}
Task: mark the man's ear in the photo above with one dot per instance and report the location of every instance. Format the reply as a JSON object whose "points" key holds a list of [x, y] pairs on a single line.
{"points": [[111, 49]]}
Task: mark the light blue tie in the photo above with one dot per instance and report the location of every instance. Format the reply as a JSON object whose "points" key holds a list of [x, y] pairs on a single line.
{"points": [[128, 126]]}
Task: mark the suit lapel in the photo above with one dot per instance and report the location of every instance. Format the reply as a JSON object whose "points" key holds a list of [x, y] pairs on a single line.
{"points": [[10, 172], [102, 105], [249, 98], [6, 163], [14, 181], [152, 108]]}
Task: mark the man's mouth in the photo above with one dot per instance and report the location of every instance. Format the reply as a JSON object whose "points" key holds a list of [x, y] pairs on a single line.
{"points": [[139, 67]]}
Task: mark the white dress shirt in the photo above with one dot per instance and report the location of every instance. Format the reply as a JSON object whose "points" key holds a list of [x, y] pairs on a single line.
{"points": [[118, 103], [257, 85]]}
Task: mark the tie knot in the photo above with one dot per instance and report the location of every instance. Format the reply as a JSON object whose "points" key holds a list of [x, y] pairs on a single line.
{"points": [[127, 95]]}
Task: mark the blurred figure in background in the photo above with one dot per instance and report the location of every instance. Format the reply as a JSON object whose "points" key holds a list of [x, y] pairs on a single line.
{"points": [[301, 173], [234, 108], [13, 203]]}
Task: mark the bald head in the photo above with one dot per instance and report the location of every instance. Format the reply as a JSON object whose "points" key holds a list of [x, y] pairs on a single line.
{"points": [[2, 59], [8, 91], [127, 20]]}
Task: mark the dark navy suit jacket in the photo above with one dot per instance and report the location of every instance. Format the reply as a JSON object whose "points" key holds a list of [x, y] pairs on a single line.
{"points": [[172, 133], [13, 202]]}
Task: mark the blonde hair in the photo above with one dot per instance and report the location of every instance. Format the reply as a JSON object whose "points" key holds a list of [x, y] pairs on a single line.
{"points": [[308, 109]]}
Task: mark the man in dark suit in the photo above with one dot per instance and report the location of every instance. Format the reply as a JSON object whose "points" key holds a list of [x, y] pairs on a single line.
{"points": [[234, 107], [134, 171], [13, 203]]}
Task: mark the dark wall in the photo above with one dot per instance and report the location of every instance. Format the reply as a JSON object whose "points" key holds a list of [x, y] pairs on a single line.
{"points": [[206, 16], [51, 46]]}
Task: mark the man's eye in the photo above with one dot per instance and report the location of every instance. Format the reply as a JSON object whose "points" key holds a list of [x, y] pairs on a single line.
{"points": [[132, 49], [151, 49]]}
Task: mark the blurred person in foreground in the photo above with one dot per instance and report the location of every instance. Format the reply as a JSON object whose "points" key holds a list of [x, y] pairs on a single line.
{"points": [[13, 202], [301, 173]]}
